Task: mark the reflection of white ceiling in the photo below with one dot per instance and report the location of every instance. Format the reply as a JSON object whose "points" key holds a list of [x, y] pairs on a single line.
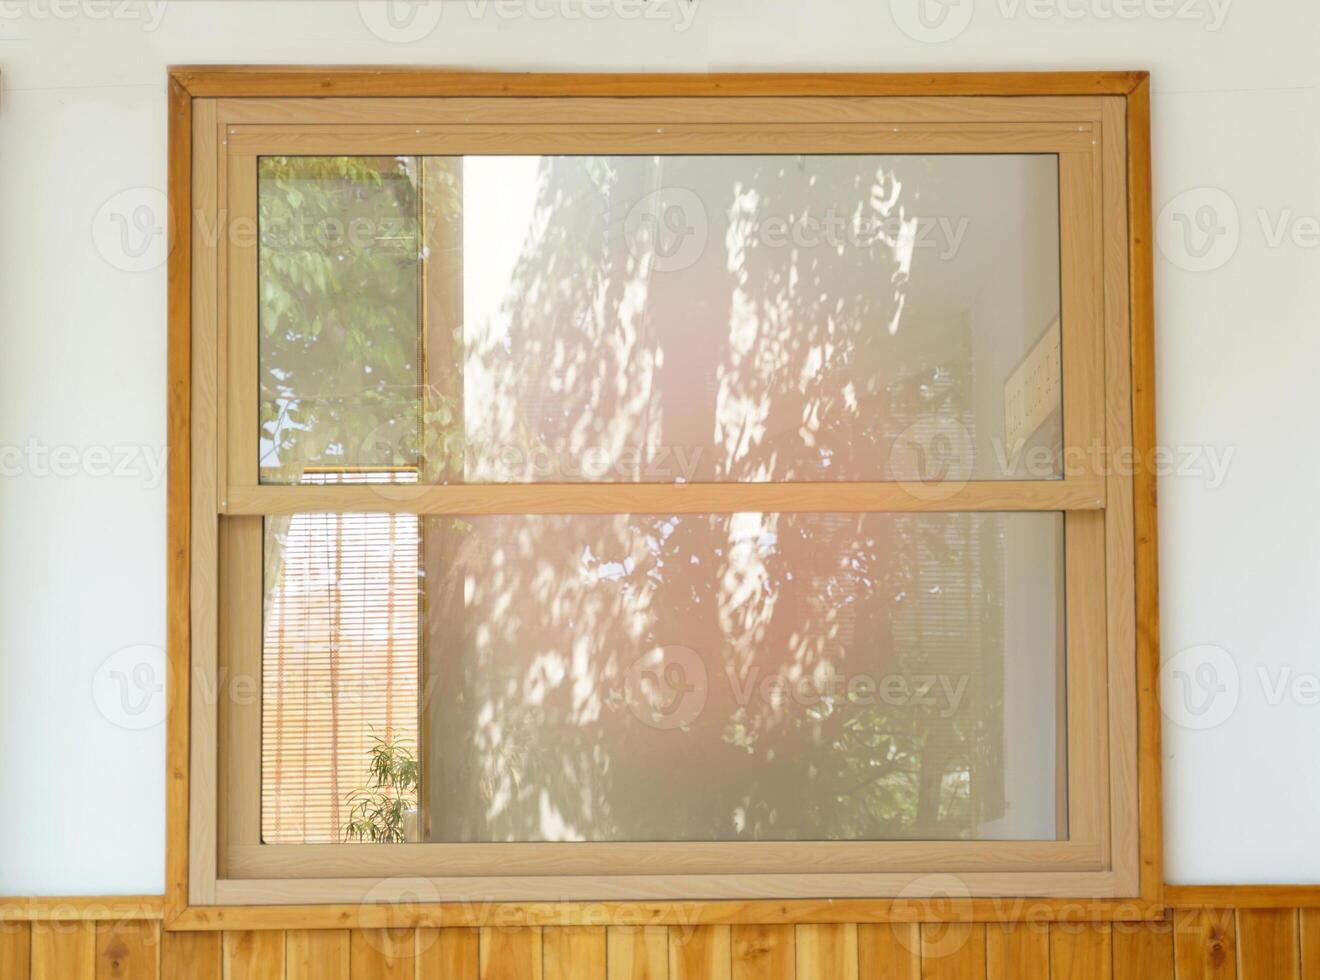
{"points": [[996, 202]]}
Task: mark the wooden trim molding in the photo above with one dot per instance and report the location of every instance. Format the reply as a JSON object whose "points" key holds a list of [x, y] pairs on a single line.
{"points": [[103, 908], [301, 81], [1243, 896], [1106, 100]]}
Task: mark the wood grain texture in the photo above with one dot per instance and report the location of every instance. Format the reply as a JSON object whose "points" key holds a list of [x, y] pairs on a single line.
{"points": [[316, 954], [254, 955], [15, 944], [383, 954], [1205, 944], [573, 952], [1081, 951], [63, 951], [511, 953], [447, 954], [1143, 953], [246, 82], [1017, 951], [953, 951], [178, 562], [1267, 942], [637, 953], [1141, 261], [701, 953], [889, 951], [195, 955], [1199, 944], [127, 951], [828, 952], [281, 81], [1308, 942], [1243, 896], [762, 951]]}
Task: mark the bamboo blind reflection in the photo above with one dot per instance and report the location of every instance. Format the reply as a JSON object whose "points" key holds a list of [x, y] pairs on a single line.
{"points": [[339, 659]]}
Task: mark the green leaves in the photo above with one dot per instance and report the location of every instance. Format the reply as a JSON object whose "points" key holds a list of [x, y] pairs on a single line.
{"points": [[379, 809]]}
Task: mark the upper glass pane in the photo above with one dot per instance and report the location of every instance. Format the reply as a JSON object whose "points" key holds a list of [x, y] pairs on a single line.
{"points": [[661, 318]]}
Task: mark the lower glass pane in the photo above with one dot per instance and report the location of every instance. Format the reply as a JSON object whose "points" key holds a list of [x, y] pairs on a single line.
{"points": [[663, 678]]}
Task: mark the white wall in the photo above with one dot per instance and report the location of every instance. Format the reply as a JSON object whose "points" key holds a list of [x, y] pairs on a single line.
{"points": [[82, 365]]}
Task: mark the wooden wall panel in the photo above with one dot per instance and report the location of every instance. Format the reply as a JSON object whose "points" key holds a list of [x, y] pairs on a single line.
{"points": [[889, 951], [1143, 952], [827, 952], [569, 954], [702, 953], [510, 954], [448, 954], [63, 951], [1020, 951], [316, 954], [254, 955], [1309, 943], [1205, 944], [952, 950], [195, 955], [1268, 944], [382, 954], [1081, 951], [128, 951], [762, 953], [1197, 944], [634, 953], [15, 942]]}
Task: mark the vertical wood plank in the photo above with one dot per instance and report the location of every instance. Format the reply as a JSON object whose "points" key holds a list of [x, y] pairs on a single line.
{"points": [[447, 954], [1143, 951], [128, 950], [701, 953], [63, 951], [637, 953], [1267, 944], [1204, 944], [511, 954], [953, 950], [15, 943], [382, 954], [827, 951], [1310, 943], [889, 951], [1081, 951], [762, 952], [1017, 951], [572, 952], [316, 954], [254, 955], [195, 955]]}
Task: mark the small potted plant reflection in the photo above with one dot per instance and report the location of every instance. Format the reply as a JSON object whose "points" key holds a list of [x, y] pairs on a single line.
{"points": [[385, 810]]}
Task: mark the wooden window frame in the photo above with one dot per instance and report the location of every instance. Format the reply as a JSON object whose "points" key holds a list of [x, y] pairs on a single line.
{"points": [[1098, 123]]}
